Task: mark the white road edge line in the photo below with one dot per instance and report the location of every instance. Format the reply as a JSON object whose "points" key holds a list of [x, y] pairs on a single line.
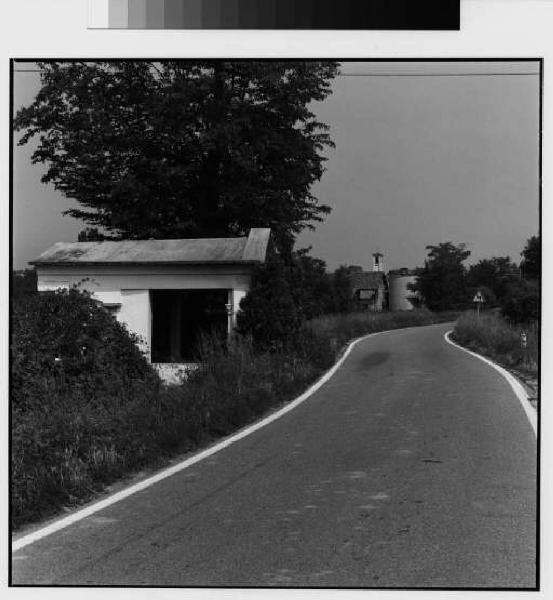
{"points": [[165, 473], [519, 391]]}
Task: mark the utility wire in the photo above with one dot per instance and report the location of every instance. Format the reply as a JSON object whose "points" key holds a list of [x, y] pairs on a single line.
{"points": [[432, 74]]}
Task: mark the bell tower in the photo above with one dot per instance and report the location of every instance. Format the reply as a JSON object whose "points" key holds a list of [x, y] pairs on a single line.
{"points": [[378, 263]]}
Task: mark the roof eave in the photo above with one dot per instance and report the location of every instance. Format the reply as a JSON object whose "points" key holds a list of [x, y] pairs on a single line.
{"points": [[46, 263]]}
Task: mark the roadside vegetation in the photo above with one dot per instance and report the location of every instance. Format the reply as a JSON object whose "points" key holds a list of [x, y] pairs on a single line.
{"points": [[491, 335], [337, 330], [78, 388], [506, 328], [445, 283], [88, 409]]}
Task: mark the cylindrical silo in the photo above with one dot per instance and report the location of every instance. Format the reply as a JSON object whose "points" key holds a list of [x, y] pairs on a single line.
{"points": [[400, 296]]}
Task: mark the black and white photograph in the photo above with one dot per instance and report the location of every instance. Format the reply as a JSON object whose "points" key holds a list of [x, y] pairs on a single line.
{"points": [[275, 323]]}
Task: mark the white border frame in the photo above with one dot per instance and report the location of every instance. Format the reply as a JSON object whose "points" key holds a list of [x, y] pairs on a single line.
{"points": [[489, 29]]}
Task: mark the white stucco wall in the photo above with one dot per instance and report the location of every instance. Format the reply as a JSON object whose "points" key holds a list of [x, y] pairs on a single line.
{"points": [[135, 314], [235, 297], [130, 286], [400, 295]]}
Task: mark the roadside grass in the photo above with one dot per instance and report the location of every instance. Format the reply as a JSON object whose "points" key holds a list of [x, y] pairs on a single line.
{"points": [[74, 439], [339, 329], [493, 336]]}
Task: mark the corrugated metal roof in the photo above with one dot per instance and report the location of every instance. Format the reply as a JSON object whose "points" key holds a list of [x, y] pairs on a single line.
{"points": [[186, 251]]}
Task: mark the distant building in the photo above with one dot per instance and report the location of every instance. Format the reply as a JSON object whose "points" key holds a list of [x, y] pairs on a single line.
{"points": [[378, 262], [401, 297], [369, 289]]}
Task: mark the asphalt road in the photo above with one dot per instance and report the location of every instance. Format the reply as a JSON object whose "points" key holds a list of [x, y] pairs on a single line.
{"points": [[414, 466]]}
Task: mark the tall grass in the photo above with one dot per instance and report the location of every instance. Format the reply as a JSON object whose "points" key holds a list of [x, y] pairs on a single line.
{"points": [[74, 442], [343, 327], [492, 336]]}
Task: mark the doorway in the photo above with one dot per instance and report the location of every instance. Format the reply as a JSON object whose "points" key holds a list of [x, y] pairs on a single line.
{"points": [[180, 317]]}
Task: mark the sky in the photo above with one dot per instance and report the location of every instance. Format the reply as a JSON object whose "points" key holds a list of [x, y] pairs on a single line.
{"points": [[426, 152]]}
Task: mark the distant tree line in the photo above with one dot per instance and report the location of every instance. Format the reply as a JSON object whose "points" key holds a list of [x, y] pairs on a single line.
{"points": [[446, 283]]}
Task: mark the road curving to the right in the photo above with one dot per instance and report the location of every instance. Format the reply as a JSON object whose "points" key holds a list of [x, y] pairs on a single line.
{"points": [[412, 466]]}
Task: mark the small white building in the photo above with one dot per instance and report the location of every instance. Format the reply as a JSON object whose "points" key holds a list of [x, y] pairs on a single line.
{"points": [[165, 291]]}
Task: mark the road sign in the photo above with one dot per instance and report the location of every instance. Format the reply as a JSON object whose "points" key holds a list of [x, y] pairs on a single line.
{"points": [[478, 297]]}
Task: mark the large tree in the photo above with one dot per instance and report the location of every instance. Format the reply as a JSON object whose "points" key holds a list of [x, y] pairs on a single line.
{"points": [[530, 264], [495, 274], [442, 281], [311, 285], [175, 149]]}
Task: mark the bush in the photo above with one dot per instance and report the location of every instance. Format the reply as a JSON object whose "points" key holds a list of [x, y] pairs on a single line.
{"points": [[521, 302], [287, 293], [313, 289], [24, 283], [64, 339], [268, 314], [79, 390]]}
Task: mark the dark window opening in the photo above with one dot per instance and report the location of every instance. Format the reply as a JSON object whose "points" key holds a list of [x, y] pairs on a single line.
{"points": [[112, 308], [369, 294], [180, 317]]}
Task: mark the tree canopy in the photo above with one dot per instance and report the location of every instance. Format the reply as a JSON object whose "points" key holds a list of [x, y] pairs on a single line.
{"points": [[495, 274], [442, 281], [521, 303], [183, 148], [287, 293], [530, 264]]}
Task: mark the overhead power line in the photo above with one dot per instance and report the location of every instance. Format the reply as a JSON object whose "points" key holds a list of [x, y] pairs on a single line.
{"points": [[432, 74]]}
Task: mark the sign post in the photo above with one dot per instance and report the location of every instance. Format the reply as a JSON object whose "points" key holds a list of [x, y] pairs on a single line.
{"points": [[479, 300], [524, 344]]}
